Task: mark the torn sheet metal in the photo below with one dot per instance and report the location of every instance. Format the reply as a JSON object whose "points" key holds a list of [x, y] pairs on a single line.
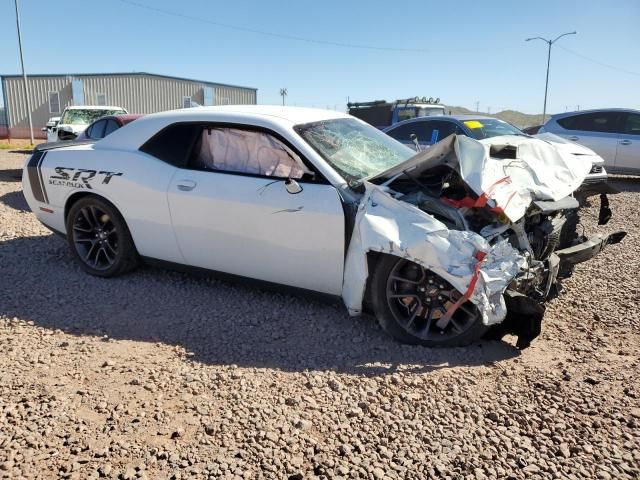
{"points": [[384, 224], [539, 170]]}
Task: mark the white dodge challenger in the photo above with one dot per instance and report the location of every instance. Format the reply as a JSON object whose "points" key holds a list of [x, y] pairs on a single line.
{"points": [[443, 246]]}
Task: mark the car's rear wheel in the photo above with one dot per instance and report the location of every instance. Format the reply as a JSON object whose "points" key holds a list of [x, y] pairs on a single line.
{"points": [[408, 300], [99, 238]]}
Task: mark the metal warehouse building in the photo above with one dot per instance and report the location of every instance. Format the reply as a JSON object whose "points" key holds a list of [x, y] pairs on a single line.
{"points": [[136, 92]]}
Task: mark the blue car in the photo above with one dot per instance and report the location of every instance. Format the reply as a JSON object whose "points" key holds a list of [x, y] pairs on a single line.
{"points": [[430, 130], [422, 132]]}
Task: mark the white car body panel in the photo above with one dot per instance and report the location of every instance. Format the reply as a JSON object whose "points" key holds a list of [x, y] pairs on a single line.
{"points": [[139, 194], [265, 232], [253, 227]]}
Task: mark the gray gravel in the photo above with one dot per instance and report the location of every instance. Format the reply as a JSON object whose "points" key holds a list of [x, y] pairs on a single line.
{"points": [[164, 375]]}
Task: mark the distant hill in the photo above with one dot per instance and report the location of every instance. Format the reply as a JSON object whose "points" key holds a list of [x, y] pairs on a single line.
{"points": [[519, 119]]}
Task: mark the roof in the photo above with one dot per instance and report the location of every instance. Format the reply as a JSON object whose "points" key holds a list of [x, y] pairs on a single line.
{"points": [[128, 117], [125, 74], [431, 118], [278, 118], [594, 110], [292, 115]]}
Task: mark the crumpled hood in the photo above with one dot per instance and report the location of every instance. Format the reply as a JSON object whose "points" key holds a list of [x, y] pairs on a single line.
{"points": [[537, 170]]}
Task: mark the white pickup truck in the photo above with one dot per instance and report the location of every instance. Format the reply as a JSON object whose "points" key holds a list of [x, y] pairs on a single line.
{"points": [[75, 120]]}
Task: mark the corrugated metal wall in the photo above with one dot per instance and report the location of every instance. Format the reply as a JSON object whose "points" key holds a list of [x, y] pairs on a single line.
{"points": [[136, 93], [16, 111]]}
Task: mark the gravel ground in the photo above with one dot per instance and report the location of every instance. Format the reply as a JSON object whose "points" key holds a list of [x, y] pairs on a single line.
{"points": [[164, 375]]}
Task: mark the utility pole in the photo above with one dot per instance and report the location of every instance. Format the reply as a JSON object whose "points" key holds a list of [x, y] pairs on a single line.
{"points": [[546, 84], [24, 75], [477, 106], [283, 93]]}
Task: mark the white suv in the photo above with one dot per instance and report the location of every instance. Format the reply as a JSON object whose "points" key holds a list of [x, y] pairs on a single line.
{"points": [[612, 133]]}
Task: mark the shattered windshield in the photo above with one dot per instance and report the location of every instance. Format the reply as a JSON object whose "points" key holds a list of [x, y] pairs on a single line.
{"points": [[354, 149], [487, 128], [82, 116]]}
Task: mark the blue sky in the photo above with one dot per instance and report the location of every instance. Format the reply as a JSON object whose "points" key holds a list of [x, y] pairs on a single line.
{"points": [[471, 51]]}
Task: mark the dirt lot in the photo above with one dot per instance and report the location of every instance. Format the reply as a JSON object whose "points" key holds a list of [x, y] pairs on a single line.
{"points": [[163, 375]]}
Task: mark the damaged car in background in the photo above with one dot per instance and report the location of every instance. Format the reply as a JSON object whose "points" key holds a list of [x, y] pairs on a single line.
{"points": [[445, 246]]}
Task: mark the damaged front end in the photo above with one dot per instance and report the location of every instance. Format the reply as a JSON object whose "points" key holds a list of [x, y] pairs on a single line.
{"points": [[498, 222]]}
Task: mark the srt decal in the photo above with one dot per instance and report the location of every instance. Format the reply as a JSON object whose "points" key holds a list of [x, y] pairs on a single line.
{"points": [[65, 176]]}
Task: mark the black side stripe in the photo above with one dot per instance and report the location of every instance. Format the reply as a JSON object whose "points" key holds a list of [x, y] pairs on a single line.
{"points": [[36, 180], [34, 176], [42, 184]]}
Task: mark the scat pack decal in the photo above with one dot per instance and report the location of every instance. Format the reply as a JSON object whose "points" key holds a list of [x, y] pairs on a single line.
{"points": [[80, 177]]}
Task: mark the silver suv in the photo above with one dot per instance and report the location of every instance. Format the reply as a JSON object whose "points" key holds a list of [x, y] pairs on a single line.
{"points": [[613, 133]]}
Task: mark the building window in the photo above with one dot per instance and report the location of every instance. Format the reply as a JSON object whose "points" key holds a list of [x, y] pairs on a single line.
{"points": [[186, 102], [101, 98], [54, 102]]}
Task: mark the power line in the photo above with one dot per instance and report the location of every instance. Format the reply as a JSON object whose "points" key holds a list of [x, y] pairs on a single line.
{"points": [[294, 37], [597, 62]]}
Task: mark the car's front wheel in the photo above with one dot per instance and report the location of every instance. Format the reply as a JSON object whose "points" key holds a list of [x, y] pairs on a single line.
{"points": [[408, 300], [99, 238]]}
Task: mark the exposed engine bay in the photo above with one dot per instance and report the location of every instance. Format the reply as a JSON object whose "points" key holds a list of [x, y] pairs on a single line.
{"points": [[502, 195]]}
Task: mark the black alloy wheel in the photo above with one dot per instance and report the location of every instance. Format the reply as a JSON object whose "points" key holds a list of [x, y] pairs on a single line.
{"points": [[99, 238], [409, 300], [95, 237]]}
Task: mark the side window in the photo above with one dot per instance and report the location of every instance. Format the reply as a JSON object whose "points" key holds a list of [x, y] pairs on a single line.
{"points": [[403, 132], [442, 130], [173, 144], [592, 122], [235, 150], [111, 127], [97, 130], [632, 125]]}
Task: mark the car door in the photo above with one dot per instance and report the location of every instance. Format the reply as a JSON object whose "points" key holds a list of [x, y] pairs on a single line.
{"points": [[595, 130], [628, 148], [232, 211]]}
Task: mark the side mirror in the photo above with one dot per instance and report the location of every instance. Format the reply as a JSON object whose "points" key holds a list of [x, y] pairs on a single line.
{"points": [[292, 186]]}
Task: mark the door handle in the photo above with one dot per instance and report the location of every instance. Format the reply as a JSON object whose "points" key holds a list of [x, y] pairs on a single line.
{"points": [[186, 185], [625, 142], [573, 138]]}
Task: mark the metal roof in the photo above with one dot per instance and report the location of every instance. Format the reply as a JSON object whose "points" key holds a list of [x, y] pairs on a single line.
{"points": [[126, 74]]}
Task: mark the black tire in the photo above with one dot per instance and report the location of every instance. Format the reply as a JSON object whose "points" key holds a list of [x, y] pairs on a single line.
{"points": [[99, 238], [389, 303]]}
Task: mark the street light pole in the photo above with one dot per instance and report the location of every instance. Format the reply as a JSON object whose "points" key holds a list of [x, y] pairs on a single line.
{"points": [[24, 75], [546, 84]]}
